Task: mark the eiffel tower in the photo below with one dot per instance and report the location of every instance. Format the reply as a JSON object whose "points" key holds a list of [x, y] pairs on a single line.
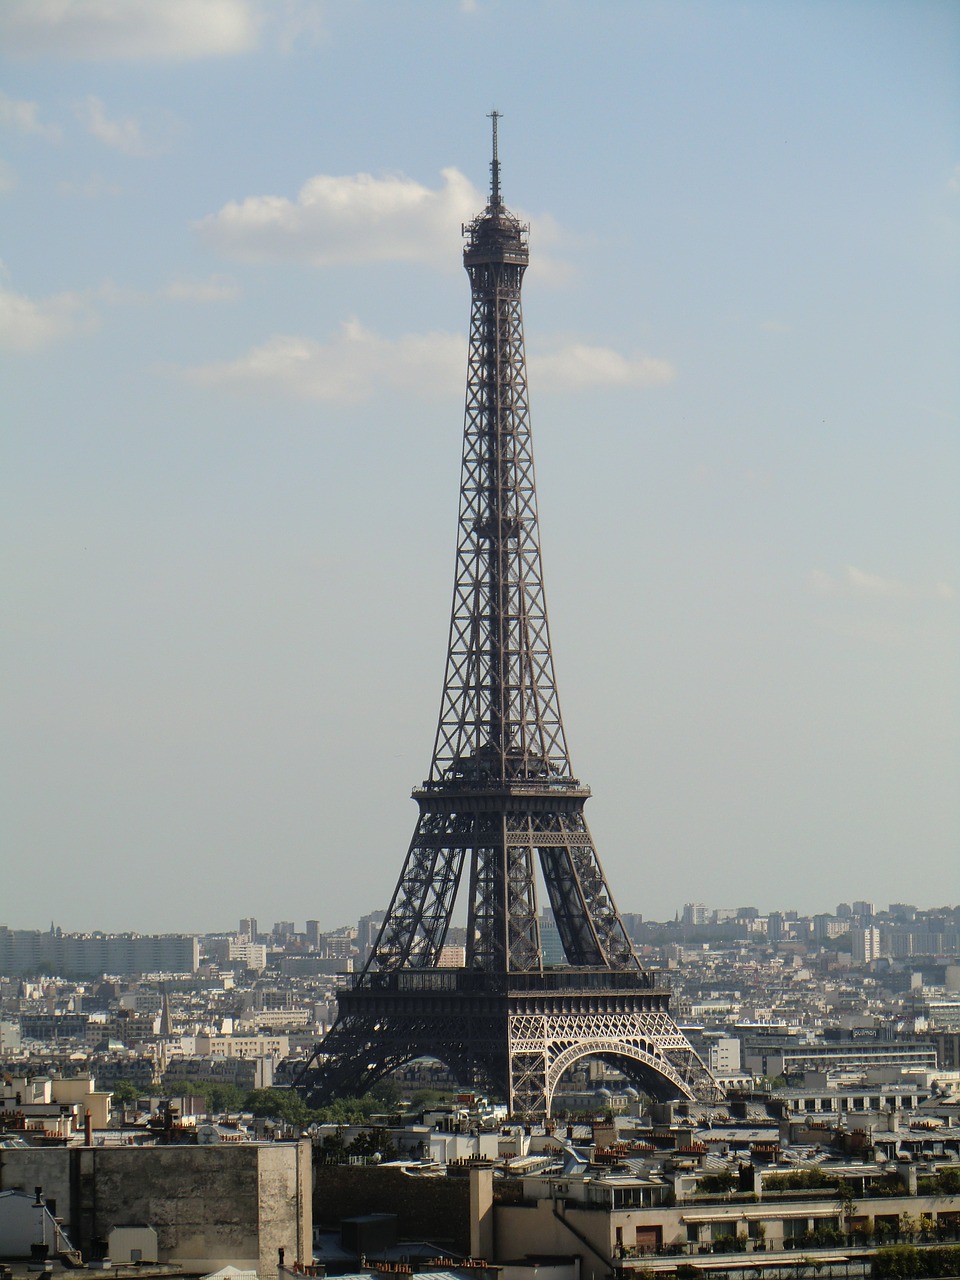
{"points": [[500, 798]]}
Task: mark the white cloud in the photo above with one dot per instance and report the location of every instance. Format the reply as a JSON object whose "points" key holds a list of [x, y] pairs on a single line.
{"points": [[872, 584], [148, 30], [355, 366], [212, 289], [27, 324], [953, 182], [122, 134], [361, 218], [358, 218], [859, 583], [24, 117], [577, 366], [358, 364]]}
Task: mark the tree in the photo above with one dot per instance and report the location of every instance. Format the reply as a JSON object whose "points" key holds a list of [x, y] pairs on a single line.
{"points": [[429, 1098], [387, 1093], [373, 1142], [125, 1093], [347, 1110], [718, 1183], [899, 1260], [224, 1097], [279, 1104]]}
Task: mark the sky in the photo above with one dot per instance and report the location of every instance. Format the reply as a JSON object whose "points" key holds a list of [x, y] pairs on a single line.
{"points": [[233, 323]]}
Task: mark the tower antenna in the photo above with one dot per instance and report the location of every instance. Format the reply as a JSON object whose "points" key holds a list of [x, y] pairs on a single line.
{"points": [[495, 201]]}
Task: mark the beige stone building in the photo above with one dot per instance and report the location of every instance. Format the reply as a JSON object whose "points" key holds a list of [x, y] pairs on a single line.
{"points": [[609, 1222], [210, 1206]]}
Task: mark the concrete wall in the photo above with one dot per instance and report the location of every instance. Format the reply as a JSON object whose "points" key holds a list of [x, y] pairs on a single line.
{"points": [[211, 1206], [285, 1195], [482, 1238], [539, 1270], [23, 1168], [534, 1229], [435, 1209]]}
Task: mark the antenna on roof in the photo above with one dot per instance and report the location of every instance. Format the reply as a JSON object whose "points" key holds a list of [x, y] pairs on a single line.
{"points": [[495, 165]]}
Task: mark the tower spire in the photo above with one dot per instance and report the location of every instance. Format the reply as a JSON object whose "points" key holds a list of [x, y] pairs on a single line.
{"points": [[495, 201]]}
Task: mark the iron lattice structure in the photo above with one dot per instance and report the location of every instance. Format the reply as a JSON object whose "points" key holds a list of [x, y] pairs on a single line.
{"points": [[501, 799]]}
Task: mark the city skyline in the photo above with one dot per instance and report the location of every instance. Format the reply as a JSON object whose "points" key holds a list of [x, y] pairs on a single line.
{"points": [[233, 329], [729, 914]]}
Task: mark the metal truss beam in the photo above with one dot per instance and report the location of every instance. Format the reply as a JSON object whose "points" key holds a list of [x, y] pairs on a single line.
{"points": [[501, 801]]}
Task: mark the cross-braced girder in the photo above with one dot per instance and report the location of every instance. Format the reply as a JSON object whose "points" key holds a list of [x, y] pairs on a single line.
{"points": [[500, 732], [499, 716], [514, 1035], [501, 802]]}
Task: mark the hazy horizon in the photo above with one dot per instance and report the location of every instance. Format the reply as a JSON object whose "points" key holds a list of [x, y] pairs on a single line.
{"points": [[265, 927]]}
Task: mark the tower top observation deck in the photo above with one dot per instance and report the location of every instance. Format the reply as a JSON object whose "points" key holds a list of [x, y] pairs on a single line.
{"points": [[496, 235]]}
